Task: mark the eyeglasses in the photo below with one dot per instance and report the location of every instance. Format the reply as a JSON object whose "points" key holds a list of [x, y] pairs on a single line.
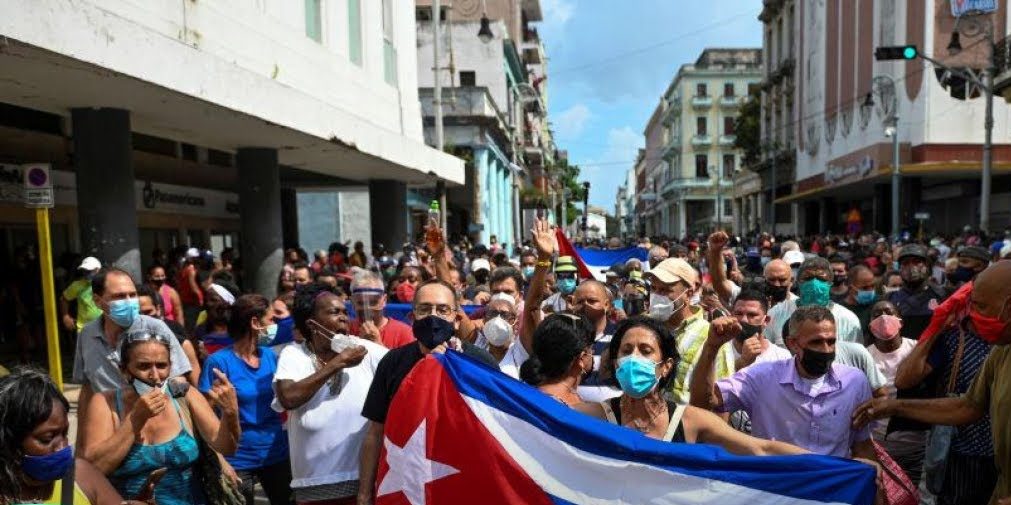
{"points": [[509, 317], [426, 309], [144, 336], [565, 275]]}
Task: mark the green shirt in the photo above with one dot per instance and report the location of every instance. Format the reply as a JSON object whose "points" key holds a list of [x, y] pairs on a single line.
{"points": [[87, 311], [991, 392]]}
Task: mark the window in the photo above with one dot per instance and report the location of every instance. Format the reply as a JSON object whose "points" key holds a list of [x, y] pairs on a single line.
{"points": [[355, 31], [728, 208], [468, 78], [728, 90], [700, 89], [314, 20], [389, 50], [701, 166], [700, 126], [728, 166], [728, 126]]}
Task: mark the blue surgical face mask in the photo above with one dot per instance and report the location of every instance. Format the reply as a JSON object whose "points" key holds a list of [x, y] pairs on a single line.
{"points": [[566, 286], [124, 312], [636, 375], [50, 467], [866, 297], [528, 272], [267, 337]]}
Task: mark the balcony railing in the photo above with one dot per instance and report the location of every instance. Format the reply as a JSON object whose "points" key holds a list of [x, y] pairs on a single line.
{"points": [[727, 140], [702, 102], [672, 112], [702, 141], [730, 101]]}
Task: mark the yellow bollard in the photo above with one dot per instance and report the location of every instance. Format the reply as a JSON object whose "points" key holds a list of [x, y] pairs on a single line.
{"points": [[49, 295]]}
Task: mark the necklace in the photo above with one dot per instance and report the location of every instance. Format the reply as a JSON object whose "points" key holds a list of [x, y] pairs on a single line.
{"points": [[654, 406]]}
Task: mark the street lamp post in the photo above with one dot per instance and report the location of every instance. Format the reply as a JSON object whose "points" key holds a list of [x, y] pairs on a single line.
{"points": [[984, 81], [719, 198], [884, 86]]}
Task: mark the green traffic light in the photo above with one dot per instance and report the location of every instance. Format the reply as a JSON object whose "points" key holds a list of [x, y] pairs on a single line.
{"points": [[909, 52]]}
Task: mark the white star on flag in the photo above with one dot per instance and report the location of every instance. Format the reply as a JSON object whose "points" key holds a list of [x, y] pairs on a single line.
{"points": [[410, 468]]}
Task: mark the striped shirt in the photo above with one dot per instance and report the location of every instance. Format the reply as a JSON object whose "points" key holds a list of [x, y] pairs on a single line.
{"points": [[691, 336]]}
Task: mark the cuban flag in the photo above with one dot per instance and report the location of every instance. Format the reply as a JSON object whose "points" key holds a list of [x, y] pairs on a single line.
{"points": [[459, 432], [593, 262]]}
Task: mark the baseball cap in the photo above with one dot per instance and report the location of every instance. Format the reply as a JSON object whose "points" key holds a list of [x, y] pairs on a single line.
{"points": [[913, 250], [480, 264], [192, 252], [976, 253], [565, 264], [793, 257], [90, 263], [672, 270]]}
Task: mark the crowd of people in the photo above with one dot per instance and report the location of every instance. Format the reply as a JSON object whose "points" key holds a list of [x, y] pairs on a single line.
{"points": [[195, 391]]}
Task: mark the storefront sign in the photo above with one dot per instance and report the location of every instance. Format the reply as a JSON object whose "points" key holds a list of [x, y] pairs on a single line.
{"points": [[151, 196], [962, 7], [838, 174]]}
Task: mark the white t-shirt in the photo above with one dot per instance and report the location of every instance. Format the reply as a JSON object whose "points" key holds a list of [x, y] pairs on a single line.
{"points": [[847, 324], [513, 359], [771, 353], [888, 365], [326, 433]]}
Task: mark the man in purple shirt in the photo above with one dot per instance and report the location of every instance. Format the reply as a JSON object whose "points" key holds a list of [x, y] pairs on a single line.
{"points": [[807, 400]]}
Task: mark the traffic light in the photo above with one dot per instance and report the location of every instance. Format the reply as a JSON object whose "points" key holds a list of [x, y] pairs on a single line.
{"points": [[896, 53]]}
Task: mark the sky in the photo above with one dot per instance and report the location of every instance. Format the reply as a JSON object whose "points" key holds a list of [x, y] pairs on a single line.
{"points": [[608, 63]]}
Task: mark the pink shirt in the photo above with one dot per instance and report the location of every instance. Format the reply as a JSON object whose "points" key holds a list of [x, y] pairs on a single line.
{"points": [[786, 407], [168, 310]]}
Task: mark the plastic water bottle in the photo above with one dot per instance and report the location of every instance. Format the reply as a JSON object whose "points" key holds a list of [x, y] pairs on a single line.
{"points": [[434, 235]]}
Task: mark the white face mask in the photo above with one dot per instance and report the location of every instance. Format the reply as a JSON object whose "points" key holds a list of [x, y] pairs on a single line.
{"points": [[142, 388], [662, 308], [498, 332], [338, 341]]}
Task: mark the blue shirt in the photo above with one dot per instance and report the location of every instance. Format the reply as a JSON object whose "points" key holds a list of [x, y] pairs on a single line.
{"points": [[262, 442]]}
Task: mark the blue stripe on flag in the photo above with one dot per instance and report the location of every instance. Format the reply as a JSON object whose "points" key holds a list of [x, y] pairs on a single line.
{"points": [[606, 257], [811, 477]]}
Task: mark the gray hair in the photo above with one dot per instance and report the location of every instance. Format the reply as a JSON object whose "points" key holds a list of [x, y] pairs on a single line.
{"points": [[815, 313], [789, 245], [812, 263], [366, 278]]}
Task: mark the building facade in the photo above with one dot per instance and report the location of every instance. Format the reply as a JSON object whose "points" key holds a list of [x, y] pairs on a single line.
{"points": [[242, 102], [494, 111], [830, 149], [699, 160]]}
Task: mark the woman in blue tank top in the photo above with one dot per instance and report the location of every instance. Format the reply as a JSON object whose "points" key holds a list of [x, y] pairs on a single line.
{"points": [[131, 432]]}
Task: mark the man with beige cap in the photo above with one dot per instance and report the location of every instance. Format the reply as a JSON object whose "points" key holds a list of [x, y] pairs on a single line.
{"points": [[672, 283]]}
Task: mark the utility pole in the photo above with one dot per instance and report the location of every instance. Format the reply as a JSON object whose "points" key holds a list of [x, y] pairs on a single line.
{"points": [[586, 209], [984, 188], [719, 198], [772, 206], [440, 140]]}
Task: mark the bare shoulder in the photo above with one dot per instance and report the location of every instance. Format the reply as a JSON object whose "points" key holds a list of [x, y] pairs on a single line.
{"points": [[593, 409]]}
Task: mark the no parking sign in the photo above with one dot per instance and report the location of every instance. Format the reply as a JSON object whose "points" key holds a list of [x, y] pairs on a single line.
{"points": [[38, 185]]}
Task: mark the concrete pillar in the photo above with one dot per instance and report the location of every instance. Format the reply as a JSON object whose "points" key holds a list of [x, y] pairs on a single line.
{"points": [[388, 206], [106, 195], [259, 189], [289, 217], [682, 219]]}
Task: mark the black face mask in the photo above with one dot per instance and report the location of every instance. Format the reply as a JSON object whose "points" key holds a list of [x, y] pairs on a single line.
{"points": [[748, 330], [817, 363], [962, 274], [158, 282], [433, 331], [839, 280], [776, 293]]}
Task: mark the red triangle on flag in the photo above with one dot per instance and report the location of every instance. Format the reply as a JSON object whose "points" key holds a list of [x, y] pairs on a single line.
{"points": [[565, 249]]}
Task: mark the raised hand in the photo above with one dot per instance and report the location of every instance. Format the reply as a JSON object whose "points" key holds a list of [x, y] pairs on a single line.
{"points": [[750, 349], [222, 393], [544, 238], [723, 330], [718, 240]]}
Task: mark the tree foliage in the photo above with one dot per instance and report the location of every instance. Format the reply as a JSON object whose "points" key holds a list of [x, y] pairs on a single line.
{"points": [[747, 128]]}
